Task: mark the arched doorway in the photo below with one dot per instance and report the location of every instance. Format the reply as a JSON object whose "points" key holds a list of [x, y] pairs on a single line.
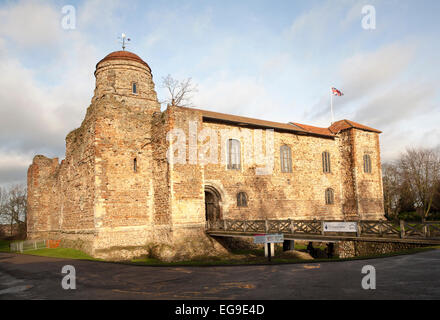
{"points": [[212, 204]]}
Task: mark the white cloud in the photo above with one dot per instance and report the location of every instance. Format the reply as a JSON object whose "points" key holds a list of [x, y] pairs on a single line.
{"points": [[244, 96], [40, 104], [104, 15], [30, 23], [364, 72], [13, 168], [402, 102], [365, 76]]}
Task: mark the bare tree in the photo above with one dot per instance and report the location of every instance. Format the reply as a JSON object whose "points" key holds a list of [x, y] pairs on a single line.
{"points": [[3, 219], [180, 91], [436, 200], [420, 168], [13, 205], [391, 189]]}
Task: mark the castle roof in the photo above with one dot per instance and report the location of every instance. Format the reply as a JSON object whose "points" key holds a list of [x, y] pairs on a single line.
{"points": [[124, 55], [334, 129], [348, 124], [313, 129]]}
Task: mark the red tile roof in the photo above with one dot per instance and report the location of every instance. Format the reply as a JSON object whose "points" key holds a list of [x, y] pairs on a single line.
{"points": [[348, 124], [257, 122], [330, 132], [313, 129], [124, 55]]}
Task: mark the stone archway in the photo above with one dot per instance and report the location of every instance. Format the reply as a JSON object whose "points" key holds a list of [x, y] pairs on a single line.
{"points": [[212, 204]]}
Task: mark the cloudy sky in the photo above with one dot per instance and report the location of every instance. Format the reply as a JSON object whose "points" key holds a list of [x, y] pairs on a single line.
{"points": [[274, 60]]}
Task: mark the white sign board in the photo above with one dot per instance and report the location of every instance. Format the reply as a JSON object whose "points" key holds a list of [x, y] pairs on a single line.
{"points": [[340, 226], [269, 238]]}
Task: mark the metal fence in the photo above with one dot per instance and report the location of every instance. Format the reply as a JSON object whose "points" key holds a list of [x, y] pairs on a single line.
{"points": [[28, 245]]}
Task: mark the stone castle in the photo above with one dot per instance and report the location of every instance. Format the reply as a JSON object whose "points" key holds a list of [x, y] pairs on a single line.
{"points": [[118, 195]]}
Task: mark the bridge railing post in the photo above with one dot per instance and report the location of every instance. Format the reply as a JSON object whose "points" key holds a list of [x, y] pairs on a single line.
{"points": [[225, 226], [292, 226], [380, 228], [266, 226], [322, 227], [358, 229], [402, 229]]}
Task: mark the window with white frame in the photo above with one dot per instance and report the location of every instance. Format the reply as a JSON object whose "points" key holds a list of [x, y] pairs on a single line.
{"points": [[234, 154]]}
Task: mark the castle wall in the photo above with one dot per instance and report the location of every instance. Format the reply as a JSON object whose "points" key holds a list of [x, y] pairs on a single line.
{"points": [[124, 180], [347, 150], [61, 196], [297, 195], [42, 197], [117, 196], [369, 185]]}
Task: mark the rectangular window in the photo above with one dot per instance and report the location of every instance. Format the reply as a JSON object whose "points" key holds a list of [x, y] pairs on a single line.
{"points": [[329, 196], [234, 156], [367, 163], [134, 88], [286, 159], [326, 162]]}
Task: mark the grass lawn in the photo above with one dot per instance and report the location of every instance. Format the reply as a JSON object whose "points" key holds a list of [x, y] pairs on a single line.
{"points": [[4, 245], [257, 257], [54, 253], [61, 253], [238, 257]]}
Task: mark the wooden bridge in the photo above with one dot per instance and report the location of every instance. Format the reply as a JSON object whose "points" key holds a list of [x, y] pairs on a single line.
{"points": [[313, 230]]}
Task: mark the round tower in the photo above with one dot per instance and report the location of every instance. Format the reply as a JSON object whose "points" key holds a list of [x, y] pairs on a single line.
{"points": [[125, 76]]}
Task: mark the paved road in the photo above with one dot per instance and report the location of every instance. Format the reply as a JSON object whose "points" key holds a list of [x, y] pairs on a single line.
{"points": [[405, 277]]}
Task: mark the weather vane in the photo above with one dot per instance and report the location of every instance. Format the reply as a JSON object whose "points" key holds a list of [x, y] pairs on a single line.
{"points": [[124, 40]]}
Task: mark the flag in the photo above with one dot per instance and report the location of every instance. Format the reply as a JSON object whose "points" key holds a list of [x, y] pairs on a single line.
{"points": [[336, 92]]}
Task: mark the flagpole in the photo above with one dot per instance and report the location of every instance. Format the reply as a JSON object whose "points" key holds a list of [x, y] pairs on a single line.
{"points": [[331, 106]]}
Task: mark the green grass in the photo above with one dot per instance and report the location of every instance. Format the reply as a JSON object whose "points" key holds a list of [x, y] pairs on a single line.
{"points": [[65, 253], [4, 246], [261, 260], [239, 257]]}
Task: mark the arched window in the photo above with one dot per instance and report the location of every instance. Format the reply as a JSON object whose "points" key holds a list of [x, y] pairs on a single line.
{"points": [[329, 196], [241, 199], [234, 156], [134, 87], [286, 159], [326, 162], [367, 163]]}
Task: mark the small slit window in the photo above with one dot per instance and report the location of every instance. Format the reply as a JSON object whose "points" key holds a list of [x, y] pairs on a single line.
{"points": [[367, 163], [135, 164], [326, 167], [134, 88], [242, 199], [234, 156], [286, 159], [329, 196]]}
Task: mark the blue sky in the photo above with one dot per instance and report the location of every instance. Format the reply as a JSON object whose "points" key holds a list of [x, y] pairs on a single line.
{"points": [[263, 59]]}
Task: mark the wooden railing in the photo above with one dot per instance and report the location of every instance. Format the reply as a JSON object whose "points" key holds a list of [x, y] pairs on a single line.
{"points": [[379, 229]]}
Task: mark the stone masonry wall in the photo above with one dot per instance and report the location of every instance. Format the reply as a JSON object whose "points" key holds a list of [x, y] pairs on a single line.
{"points": [[116, 196], [61, 196], [369, 185], [297, 195], [350, 249]]}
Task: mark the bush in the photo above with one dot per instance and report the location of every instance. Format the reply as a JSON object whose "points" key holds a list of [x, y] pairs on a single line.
{"points": [[414, 217], [410, 216]]}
